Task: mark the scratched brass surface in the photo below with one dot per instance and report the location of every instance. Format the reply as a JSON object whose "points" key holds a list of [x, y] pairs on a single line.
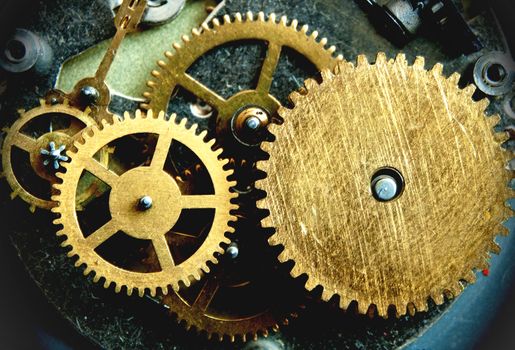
{"points": [[417, 246]]}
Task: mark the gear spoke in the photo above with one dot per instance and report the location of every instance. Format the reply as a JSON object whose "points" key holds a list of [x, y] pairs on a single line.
{"points": [[102, 234], [100, 171], [202, 91], [201, 201], [24, 142], [163, 252], [162, 149], [207, 294], [269, 66]]}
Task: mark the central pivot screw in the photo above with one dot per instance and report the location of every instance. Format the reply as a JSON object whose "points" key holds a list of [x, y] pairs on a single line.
{"points": [[248, 125], [145, 203], [89, 95], [387, 184], [385, 188]]}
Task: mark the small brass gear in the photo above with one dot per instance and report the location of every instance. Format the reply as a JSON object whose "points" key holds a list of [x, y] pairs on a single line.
{"points": [[157, 219], [56, 136], [172, 72], [435, 228]]}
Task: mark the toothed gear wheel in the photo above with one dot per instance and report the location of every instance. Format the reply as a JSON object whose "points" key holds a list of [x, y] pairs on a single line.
{"points": [[36, 143], [153, 222], [447, 162], [239, 299], [173, 72]]}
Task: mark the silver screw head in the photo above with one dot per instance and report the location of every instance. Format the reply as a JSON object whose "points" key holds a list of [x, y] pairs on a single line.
{"points": [[145, 203], [232, 251], [253, 123], [385, 188]]}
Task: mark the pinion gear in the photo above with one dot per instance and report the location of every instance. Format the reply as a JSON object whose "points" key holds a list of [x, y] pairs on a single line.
{"points": [[442, 224], [154, 223], [58, 131]]}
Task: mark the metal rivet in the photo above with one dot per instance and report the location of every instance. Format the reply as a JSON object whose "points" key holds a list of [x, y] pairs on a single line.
{"points": [[232, 251], [89, 95], [145, 203]]}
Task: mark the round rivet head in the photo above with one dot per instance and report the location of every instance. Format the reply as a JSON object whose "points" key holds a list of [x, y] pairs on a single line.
{"points": [[253, 123], [89, 95], [145, 203], [232, 251]]}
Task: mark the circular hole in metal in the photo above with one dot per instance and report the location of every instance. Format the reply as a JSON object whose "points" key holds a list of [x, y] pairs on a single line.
{"points": [[200, 109], [495, 73], [15, 50], [387, 184]]}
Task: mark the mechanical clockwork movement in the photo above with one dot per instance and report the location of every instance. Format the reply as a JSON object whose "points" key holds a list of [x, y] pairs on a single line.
{"points": [[338, 180]]}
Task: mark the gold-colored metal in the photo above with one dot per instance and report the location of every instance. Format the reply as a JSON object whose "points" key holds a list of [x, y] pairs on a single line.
{"points": [[18, 138], [172, 71], [152, 224], [126, 21], [423, 243]]}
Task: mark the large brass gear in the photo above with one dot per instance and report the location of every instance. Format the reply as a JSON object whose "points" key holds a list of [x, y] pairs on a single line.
{"points": [[157, 221], [443, 223], [172, 72], [59, 135]]}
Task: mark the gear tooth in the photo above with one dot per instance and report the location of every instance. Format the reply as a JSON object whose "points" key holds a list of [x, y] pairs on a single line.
{"points": [[137, 114], [363, 308], [382, 310], [310, 84], [151, 84], [362, 61], [294, 24], [381, 58], [42, 102], [32, 208], [232, 338], [205, 268], [419, 63], [314, 35], [155, 74], [326, 75], [420, 305], [126, 115], [304, 29], [161, 63], [401, 60], [144, 106], [216, 22], [437, 298], [118, 288], [227, 19], [470, 277], [272, 18], [501, 137], [168, 54], [238, 17], [205, 27], [107, 284], [284, 20], [261, 16], [185, 39], [495, 248], [196, 31], [454, 78], [176, 46], [153, 292], [295, 97], [96, 278], [21, 111], [57, 221], [469, 90], [323, 42], [182, 122], [437, 70], [456, 289], [243, 338], [87, 270], [332, 50], [249, 16], [326, 295]]}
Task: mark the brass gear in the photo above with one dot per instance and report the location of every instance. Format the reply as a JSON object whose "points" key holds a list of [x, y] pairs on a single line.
{"points": [[239, 298], [172, 73], [60, 135], [148, 225], [435, 233]]}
